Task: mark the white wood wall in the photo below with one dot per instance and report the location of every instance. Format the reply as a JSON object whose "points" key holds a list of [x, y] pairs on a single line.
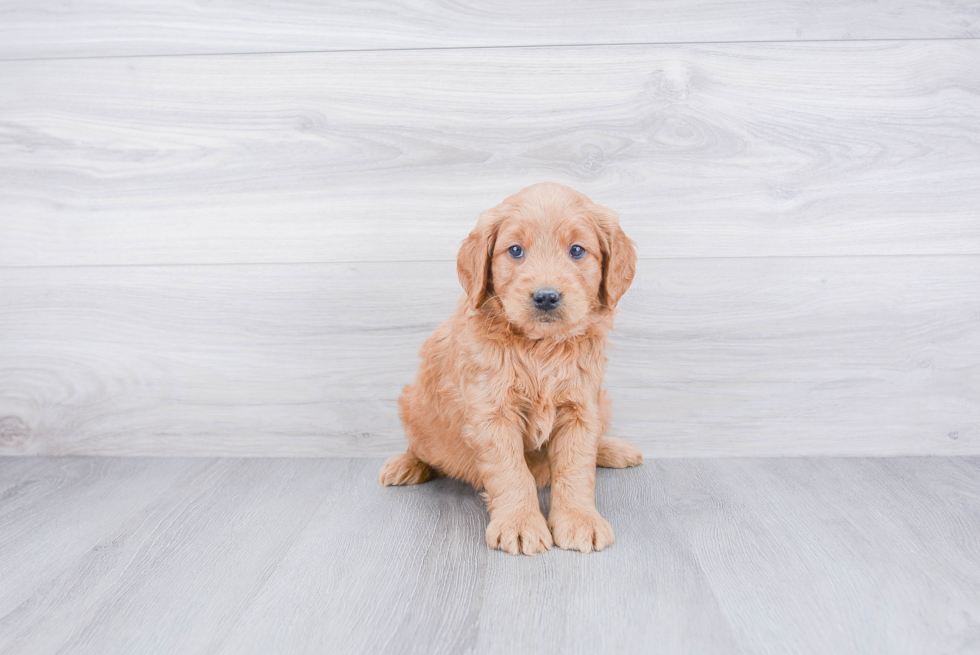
{"points": [[239, 250]]}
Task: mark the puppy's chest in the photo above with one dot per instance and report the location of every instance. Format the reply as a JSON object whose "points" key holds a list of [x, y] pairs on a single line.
{"points": [[540, 423], [542, 389]]}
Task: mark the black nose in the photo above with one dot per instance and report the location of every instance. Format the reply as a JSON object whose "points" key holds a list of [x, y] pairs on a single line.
{"points": [[546, 298]]}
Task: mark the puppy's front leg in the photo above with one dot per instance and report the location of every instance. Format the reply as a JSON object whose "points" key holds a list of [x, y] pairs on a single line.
{"points": [[516, 523], [575, 522]]}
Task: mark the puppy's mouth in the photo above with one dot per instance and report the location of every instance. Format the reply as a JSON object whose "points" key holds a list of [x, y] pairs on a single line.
{"points": [[548, 317], [538, 324]]}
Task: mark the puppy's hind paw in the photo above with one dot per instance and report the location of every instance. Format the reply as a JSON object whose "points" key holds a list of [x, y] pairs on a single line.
{"points": [[405, 469], [615, 453]]}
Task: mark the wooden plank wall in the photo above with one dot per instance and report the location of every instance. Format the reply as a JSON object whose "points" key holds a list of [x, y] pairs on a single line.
{"points": [[239, 251]]}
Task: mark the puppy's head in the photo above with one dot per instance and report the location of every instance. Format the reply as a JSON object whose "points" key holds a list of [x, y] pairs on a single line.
{"points": [[550, 257]]}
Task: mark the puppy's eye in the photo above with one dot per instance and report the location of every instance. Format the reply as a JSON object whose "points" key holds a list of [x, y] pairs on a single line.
{"points": [[577, 252], [516, 252]]}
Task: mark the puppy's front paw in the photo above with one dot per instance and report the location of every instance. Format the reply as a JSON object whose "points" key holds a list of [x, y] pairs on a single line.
{"points": [[526, 533], [583, 530]]}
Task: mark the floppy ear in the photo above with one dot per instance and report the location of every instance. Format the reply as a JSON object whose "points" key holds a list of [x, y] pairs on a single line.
{"points": [[473, 260], [618, 257]]}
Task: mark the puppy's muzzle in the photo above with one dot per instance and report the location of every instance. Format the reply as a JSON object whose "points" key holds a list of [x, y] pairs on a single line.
{"points": [[546, 298]]}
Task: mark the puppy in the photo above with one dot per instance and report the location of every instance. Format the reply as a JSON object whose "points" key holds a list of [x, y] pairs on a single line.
{"points": [[508, 396]]}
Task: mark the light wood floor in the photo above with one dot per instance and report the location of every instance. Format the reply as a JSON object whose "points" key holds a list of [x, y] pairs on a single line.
{"points": [[137, 555]]}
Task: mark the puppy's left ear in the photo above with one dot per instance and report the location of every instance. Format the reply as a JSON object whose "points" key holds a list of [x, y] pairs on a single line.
{"points": [[618, 257]]}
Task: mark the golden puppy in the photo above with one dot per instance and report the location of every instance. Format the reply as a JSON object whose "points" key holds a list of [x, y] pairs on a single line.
{"points": [[509, 390]]}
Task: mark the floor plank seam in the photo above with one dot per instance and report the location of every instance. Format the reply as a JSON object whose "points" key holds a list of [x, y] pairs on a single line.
{"points": [[366, 262], [495, 47]]}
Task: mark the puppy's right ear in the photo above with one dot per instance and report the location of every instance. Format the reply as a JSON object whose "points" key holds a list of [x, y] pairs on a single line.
{"points": [[473, 261]]}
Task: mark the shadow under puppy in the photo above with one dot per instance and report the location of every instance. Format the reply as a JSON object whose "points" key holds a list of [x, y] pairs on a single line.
{"points": [[508, 396]]}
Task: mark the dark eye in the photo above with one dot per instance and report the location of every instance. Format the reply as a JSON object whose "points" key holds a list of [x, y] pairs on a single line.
{"points": [[577, 252], [516, 252]]}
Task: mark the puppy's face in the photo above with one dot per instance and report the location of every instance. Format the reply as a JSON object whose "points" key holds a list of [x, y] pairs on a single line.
{"points": [[552, 259], [546, 269]]}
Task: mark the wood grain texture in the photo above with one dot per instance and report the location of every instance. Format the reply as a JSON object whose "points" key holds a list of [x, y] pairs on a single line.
{"points": [[837, 532], [139, 563], [307, 556], [72, 504], [112, 28], [706, 151], [771, 356], [454, 595]]}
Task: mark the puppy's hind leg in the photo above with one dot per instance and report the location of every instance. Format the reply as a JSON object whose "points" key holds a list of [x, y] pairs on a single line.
{"points": [[614, 453], [405, 469]]}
